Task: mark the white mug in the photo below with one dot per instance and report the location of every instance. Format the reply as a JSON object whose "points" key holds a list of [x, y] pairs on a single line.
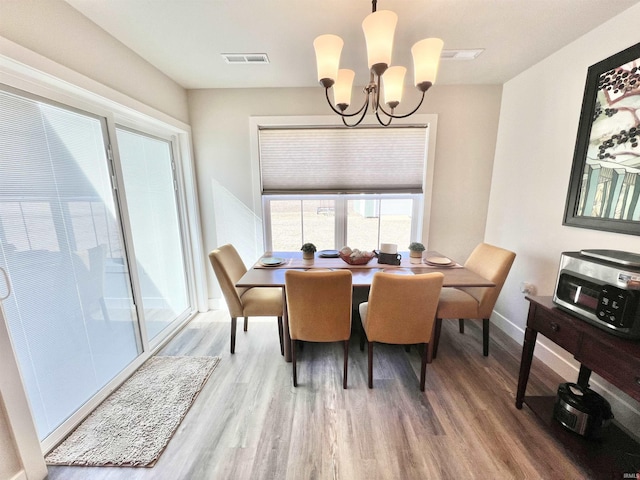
{"points": [[390, 248]]}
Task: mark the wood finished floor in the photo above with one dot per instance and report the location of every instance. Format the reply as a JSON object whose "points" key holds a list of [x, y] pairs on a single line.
{"points": [[249, 422]]}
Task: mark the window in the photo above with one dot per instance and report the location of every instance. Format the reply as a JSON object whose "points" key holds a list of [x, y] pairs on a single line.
{"points": [[336, 186], [332, 221]]}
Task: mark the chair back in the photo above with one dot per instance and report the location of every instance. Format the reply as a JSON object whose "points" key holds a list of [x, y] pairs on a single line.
{"points": [[319, 304], [229, 268], [402, 308], [493, 263]]}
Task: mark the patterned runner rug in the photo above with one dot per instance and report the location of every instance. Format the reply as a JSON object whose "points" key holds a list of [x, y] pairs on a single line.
{"points": [[132, 427]]}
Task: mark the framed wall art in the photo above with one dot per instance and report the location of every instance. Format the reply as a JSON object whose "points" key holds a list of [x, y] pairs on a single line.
{"points": [[604, 188]]}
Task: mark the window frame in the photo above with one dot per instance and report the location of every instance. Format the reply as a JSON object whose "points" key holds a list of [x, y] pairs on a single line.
{"points": [[421, 225]]}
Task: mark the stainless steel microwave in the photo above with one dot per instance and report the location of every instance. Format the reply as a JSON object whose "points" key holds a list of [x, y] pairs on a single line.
{"points": [[601, 287]]}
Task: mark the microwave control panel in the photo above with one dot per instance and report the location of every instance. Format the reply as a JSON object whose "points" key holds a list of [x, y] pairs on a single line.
{"points": [[612, 304]]}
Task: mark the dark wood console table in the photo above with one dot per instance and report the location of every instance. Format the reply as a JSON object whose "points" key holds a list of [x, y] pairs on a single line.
{"points": [[615, 359]]}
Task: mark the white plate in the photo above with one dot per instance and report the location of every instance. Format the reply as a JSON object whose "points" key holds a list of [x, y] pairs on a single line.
{"points": [[438, 260], [329, 253], [272, 261]]}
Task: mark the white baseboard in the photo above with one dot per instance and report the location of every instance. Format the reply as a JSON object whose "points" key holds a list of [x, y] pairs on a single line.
{"points": [[625, 409], [217, 304]]}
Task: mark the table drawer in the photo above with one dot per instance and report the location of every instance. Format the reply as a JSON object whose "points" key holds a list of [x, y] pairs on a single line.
{"points": [[555, 328], [619, 370]]}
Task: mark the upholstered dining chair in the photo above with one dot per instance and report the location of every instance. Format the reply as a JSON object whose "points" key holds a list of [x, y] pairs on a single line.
{"points": [[319, 309], [491, 262], [401, 310], [244, 302]]}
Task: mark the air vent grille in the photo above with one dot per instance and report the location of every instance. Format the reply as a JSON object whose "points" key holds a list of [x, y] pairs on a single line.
{"points": [[461, 54], [246, 58]]}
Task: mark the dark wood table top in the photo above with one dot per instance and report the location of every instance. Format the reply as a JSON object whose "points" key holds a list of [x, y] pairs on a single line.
{"points": [[260, 276]]}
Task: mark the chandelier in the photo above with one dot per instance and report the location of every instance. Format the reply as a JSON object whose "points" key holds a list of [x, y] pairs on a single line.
{"points": [[379, 28]]}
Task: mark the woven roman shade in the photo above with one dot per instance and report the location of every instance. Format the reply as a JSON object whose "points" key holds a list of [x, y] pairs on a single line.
{"points": [[339, 160]]}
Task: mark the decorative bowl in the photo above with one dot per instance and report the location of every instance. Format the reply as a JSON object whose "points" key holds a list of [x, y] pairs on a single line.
{"points": [[358, 260]]}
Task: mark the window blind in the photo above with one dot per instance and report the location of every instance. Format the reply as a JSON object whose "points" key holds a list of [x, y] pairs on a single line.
{"points": [[338, 160]]}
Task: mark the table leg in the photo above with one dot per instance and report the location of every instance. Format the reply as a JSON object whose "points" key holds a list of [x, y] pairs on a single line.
{"points": [[530, 336], [286, 338]]}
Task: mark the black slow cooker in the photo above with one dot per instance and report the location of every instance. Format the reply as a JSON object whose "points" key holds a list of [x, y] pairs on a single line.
{"points": [[582, 410]]}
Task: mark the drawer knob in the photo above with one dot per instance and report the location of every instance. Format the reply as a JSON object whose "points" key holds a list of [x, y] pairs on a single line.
{"points": [[638, 380], [555, 327]]}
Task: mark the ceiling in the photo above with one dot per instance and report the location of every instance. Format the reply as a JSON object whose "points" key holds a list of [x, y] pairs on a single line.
{"points": [[185, 38]]}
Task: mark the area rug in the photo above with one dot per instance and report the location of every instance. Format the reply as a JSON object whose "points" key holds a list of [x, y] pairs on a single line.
{"points": [[132, 427]]}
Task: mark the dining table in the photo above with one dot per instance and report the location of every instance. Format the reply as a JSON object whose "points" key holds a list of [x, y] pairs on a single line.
{"points": [[269, 271]]}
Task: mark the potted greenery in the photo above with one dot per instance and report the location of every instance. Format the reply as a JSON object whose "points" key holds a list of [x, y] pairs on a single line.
{"points": [[415, 252], [308, 251]]}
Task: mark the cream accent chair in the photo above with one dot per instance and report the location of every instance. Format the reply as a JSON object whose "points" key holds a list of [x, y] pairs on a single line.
{"points": [[493, 263], [401, 310], [319, 309], [244, 302]]}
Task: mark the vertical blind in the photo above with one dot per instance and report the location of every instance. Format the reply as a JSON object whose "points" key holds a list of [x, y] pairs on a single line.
{"points": [[340, 160]]}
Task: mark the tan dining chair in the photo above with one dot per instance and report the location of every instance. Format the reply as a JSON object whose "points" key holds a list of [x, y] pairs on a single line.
{"points": [[491, 262], [244, 302], [319, 310], [401, 310]]}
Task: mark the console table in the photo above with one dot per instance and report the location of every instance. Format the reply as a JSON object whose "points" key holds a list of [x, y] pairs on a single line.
{"points": [[615, 359]]}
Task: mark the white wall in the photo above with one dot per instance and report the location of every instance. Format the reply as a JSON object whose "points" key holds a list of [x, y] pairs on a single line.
{"points": [[467, 126], [57, 31], [534, 153]]}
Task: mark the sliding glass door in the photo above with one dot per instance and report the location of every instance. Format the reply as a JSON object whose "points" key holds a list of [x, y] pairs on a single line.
{"points": [[91, 241], [148, 170], [71, 312]]}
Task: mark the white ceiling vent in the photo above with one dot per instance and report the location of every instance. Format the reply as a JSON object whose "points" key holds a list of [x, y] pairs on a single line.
{"points": [[246, 58], [461, 54]]}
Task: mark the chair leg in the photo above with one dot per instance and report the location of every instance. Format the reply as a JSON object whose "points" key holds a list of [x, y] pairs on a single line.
{"points": [[246, 323], [423, 369], [346, 362], [485, 337], [461, 324], [280, 334], [362, 335], [370, 365], [234, 322], [436, 337], [293, 362]]}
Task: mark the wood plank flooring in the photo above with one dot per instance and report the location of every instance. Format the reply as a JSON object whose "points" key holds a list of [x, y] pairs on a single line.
{"points": [[249, 422]]}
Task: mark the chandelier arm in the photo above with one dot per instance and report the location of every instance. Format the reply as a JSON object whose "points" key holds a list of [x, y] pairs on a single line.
{"points": [[365, 107], [381, 122], [402, 116], [342, 114]]}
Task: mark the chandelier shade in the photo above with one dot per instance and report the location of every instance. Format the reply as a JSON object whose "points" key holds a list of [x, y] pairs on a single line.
{"points": [[385, 80], [328, 49], [393, 83], [342, 88], [426, 59], [379, 29]]}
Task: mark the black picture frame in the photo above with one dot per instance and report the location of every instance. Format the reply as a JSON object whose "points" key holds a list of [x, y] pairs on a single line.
{"points": [[604, 187]]}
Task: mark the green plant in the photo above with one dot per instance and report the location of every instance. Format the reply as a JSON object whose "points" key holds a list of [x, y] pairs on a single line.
{"points": [[416, 247], [309, 248]]}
